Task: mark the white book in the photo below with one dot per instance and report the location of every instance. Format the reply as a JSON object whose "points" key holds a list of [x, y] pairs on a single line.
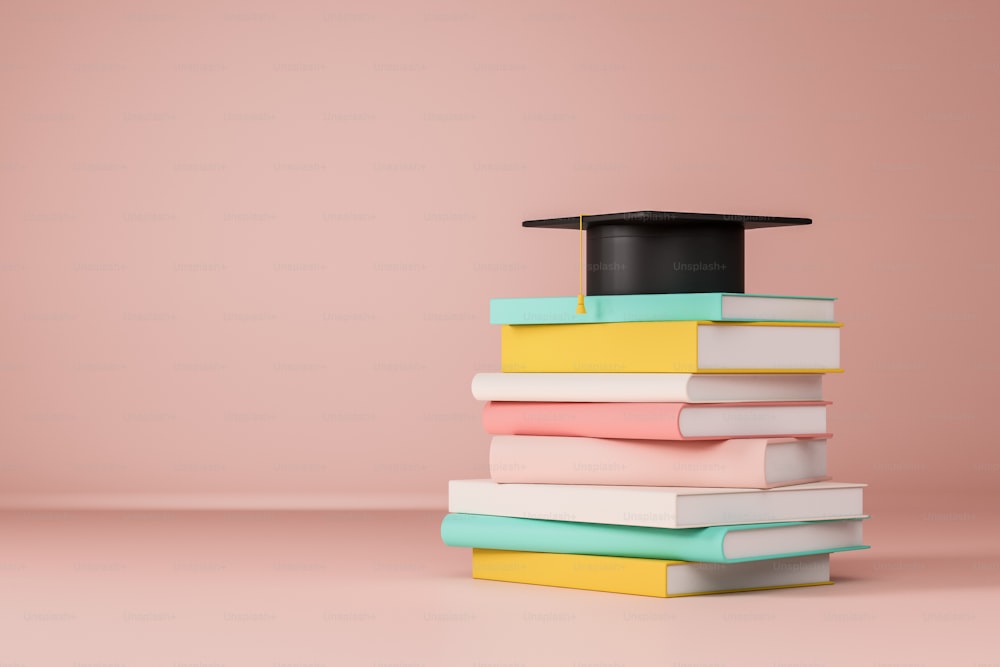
{"points": [[647, 387], [657, 506]]}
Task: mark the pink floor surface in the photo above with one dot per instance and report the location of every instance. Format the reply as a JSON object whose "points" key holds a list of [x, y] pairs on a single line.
{"points": [[297, 589]]}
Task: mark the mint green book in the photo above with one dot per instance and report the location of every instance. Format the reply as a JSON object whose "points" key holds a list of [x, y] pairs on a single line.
{"points": [[715, 544], [709, 306]]}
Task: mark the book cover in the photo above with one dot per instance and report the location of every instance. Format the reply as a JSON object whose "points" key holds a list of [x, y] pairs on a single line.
{"points": [[671, 347]]}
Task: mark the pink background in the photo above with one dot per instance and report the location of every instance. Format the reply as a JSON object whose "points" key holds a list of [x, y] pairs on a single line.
{"points": [[247, 248], [246, 252]]}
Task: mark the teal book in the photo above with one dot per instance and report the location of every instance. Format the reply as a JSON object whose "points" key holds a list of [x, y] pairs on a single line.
{"points": [[715, 544], [708, 306]]}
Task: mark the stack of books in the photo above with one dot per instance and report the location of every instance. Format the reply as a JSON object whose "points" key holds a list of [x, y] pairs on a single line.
{"points": [[662, 444]]}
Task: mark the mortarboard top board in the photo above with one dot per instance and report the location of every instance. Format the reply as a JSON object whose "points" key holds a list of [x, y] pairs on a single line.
{"points": [[660, 252]]}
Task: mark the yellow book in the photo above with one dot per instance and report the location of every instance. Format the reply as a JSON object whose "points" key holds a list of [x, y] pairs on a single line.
{"points": [[647, 576], [672, 347]]}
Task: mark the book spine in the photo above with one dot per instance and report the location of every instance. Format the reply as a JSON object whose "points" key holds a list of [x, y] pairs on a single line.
{"points": [[582, 387], [647, 421], [633, 576], [665, 347], [605, 309]]}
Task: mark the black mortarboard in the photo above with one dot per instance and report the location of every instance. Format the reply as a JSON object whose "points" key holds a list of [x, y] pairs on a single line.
{"points": [[658, 252]]}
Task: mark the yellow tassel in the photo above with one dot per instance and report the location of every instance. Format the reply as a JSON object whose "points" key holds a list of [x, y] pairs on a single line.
{"points": [[580, 308]]}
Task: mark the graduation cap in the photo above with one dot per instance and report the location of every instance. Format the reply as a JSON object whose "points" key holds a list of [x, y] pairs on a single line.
{"points": [[660, 252]]}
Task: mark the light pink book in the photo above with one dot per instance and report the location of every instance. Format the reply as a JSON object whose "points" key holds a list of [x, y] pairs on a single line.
{"points": [[659, 421], [755, 463]]}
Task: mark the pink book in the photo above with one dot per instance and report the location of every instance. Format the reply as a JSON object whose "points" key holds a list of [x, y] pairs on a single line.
{"points": [[754, 463], [658, 421]]}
